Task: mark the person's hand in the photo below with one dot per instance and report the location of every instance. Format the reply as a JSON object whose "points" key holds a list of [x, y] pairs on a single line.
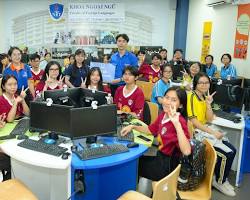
{"points": [[2, 120], [83, 83], [22, 95], [126, 130], [60, 81], [185, 74], [209, 98], [173, 115], [48, 80], [218, 135]]}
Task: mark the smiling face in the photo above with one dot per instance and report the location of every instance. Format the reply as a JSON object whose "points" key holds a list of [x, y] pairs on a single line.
{"points": [[80, 58], [156, 61], [95, 77], [203, 85], [54, 71], [170, 100], [167, 72], [121, 43], [194, 69], [16, 56]]}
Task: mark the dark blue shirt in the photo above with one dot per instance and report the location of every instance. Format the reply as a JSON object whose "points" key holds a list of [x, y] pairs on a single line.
{"points": [[75, 79]]}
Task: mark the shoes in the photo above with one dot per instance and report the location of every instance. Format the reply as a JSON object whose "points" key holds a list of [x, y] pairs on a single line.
{"points": [[228, 185], [224, 188]]}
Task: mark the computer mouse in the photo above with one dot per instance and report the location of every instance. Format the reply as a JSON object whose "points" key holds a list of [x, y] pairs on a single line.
{"points": [[65, 155], [237, 120], [22, 137], [132, 145], [49, 141]]}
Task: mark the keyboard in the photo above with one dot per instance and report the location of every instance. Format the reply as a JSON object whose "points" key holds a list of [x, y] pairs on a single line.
{"points": [[229, 116], [21, 127], [42, 147], [129, 137], [103, 151]]}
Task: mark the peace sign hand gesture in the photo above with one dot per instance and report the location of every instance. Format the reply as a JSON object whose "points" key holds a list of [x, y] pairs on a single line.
{"points": [[60, 81], [185, 74], [209, 98], [83, 83], [48, 80], [173, 115]]}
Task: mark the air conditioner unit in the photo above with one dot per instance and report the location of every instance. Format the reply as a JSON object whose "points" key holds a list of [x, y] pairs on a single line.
{"points": [[212, 3]]}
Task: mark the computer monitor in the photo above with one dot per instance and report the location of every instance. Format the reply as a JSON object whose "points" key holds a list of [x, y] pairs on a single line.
{"points": [[228, 95], [50, 118], [218, 81], [92, 122], [247, 94], [69, 97], [87, 96]]}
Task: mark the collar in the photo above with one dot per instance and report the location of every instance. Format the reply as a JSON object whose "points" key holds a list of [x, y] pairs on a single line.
{"points": [[129, 94], [6, 98], [13, 67], [155, 69], [199, 97], [118, 54]]}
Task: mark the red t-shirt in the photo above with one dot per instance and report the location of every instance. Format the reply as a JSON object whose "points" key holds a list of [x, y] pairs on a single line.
{"points": [[6, 105], [149, 73], [133, 102], [40, 86], [166, 133], [36, 77]]}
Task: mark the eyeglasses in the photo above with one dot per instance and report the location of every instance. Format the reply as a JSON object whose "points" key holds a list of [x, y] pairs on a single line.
{"points": [[57, 69], [204, 83], [167, 71]]}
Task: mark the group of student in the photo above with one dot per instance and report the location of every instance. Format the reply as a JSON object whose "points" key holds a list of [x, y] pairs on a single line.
{"points": [[188, 101]]}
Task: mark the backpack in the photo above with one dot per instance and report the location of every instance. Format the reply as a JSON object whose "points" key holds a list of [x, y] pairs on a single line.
{"points": [[193, 167]]}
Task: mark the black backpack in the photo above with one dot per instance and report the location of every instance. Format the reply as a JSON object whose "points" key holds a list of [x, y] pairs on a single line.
{"points": [[193, 167]]}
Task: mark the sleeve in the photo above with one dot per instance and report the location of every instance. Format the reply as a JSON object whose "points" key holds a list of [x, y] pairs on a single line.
{"points": [[68, 71], [154, 127], [233, 72], [39, 87], [117, 95], [139, 104], [3, 107], [28, 71], [153, 96], [134, 62], [190, 106], [159, 92]]}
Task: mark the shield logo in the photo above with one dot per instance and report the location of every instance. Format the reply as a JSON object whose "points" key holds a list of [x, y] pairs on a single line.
{"points": [[56, 11]]}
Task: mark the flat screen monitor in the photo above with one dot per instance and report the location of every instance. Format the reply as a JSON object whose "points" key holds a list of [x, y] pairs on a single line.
{"points": [[70, 97], [50, 118], [218, 81], [87, 96], [92, 122], [227, 95], [246, 83]]}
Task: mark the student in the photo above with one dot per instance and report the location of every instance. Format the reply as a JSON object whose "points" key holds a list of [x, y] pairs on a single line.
{"points": [[194, 69], [171, 129], [228, 70], [76, 74], [4, 62], [52, 78], [37, 73], [211, 68], [152, 73], [164, 55], [162, 85], [94, 80], [141, 58], [121, 59], [12, 105], [130, 98], [200, 112], [106, 58], [47, 58]]}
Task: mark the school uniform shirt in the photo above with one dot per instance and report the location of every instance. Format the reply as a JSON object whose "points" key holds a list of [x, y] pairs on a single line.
{"points": [[22, 75], [159, 90], [40, 86], [36, 77], [228, 71], [81, 72], [211, 70], [6, 105], [150, 74], [120, 62], [196, 107], [166, 133], [132, 102]]}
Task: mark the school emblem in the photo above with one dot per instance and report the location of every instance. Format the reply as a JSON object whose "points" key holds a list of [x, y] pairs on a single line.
{"points": [[130, 102], [56, 11], [163, 131]]}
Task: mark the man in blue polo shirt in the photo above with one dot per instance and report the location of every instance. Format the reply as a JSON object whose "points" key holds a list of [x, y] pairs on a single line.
{"points": [[121, 59]]}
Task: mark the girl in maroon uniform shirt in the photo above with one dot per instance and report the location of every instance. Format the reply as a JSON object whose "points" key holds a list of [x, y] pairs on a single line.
{"points": [[12, 105], [130, 98], [171, 129]]}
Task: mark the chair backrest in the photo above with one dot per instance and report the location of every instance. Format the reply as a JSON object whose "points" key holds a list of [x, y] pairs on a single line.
{"points": [[154, 111], [165, 189], [147, 88], [211, 158]]}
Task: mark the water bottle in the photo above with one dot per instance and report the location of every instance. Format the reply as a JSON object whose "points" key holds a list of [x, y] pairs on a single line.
{"points": [[109, 99]]}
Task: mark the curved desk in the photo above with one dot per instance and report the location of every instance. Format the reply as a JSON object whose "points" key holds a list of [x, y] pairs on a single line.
{"points": [[107, 177]]}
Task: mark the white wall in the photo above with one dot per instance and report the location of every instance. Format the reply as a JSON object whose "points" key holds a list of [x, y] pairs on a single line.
{"points": [[224, 20], [159, 10]]}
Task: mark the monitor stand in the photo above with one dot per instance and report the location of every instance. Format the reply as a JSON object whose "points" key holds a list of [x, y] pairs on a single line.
{"points": [[91, 139]]}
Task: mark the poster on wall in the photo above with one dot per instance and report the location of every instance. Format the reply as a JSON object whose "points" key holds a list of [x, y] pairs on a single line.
{"points": [[206, 40], [242, 31]]}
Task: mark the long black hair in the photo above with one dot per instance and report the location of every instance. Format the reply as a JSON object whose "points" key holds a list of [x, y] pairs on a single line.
{"points": [[182, 96], [88, 81], [5, 79], [197, 78], [75, 69], [48, 66]]}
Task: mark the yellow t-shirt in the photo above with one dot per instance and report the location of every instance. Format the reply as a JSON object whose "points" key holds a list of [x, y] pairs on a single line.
{"points": [[196, 107]]}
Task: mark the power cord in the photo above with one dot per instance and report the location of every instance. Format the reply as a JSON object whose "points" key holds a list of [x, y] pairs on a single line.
{"points": [[79, 184]]}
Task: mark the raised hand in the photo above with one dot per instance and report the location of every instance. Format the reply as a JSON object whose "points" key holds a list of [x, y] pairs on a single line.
{"points": [[2, 120], [60, 81], [209, 98], [83, 83], [173, 115], [48, 80], [185, 74]]}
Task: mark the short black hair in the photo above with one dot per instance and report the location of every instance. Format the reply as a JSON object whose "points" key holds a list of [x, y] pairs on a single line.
{"points": [[12, 49], [157, 55], [228, 55], [123, 35], [141, 52], [210, 57], [133, 70], [34, 56], [180, 50], [197, 78], [5, 79]]}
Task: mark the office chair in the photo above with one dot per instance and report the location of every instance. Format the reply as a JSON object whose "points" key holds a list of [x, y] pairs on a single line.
{"points": [[154, 111], [165, 189], [147, 88], [204, 191], [14, 189]]}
